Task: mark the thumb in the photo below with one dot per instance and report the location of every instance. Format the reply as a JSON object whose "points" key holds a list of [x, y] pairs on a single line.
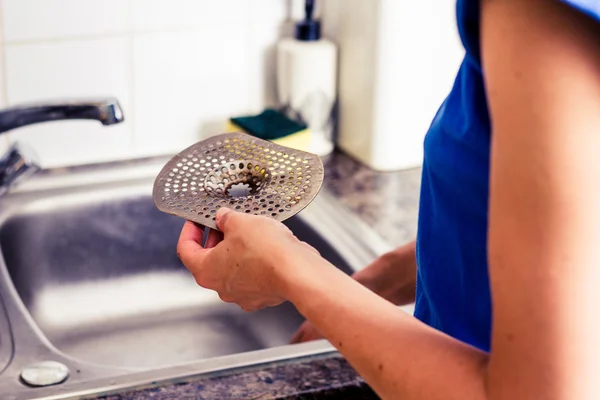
{"points": [[225, 219]]}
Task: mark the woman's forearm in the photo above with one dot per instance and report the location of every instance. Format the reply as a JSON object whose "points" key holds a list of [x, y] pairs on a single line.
{"points": [[399, 356], [393, 275]]}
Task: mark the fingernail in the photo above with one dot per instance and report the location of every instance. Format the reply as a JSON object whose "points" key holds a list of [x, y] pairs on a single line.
{"points": [[221, 217], [222, 211]]}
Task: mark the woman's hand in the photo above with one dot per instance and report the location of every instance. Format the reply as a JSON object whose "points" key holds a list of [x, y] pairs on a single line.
{"points": [[391, 276], [247, 263], [306, 333]]}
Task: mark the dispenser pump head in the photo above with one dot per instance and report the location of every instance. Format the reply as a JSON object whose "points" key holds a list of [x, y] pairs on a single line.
{"points": [[309, 29]]}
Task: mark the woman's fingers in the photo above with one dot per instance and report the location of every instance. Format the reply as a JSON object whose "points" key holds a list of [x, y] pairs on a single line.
{"points": [[189, 249], [306, 333], [192, 231], [226, 298], [297, 338], [310, 248], [214, 237]]}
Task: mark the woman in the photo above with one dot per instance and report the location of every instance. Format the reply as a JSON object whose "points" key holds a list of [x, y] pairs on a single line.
{"points": [[509, 218]]}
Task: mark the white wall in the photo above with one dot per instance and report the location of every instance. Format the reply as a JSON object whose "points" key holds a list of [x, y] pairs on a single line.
{"points": [[180, 68]]}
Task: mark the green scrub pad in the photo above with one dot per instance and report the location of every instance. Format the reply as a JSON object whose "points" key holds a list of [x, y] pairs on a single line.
{"points": [[268, 125]]}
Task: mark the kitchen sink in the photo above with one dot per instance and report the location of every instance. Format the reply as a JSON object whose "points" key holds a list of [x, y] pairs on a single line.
{"points": [[102, 280], [89, 277]]}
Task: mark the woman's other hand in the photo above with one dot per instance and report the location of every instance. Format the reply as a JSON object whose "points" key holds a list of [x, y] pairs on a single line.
{"points": [[306, 333]]}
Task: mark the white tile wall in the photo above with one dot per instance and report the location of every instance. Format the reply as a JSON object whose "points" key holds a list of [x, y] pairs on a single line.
{"points": [[272, 19], [186, 14], [180, 68], [196, 83], [29, 20], [71, 69]]}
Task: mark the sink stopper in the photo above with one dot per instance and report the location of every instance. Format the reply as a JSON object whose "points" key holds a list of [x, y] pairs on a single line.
{"points": [[241, 172]]}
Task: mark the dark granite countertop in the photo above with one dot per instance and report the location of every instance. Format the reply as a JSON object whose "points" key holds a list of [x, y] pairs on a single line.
{"points": [[325, 377], [386, 201]]}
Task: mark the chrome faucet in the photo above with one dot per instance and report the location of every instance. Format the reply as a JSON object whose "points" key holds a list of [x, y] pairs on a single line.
{"points": [[18, 163]]}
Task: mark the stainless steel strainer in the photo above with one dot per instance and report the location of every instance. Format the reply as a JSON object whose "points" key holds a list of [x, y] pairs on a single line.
{"points": [[241, 172]]}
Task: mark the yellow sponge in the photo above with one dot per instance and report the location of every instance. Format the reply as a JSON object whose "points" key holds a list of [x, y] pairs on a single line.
{"points": [[274, 126], [299, 140]]}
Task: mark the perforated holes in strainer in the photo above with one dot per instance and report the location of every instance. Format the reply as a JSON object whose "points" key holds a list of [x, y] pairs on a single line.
{"points": [[240, 172]]}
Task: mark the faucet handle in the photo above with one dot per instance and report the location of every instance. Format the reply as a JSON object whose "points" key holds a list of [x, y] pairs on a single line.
{"points": [[18, 163]]}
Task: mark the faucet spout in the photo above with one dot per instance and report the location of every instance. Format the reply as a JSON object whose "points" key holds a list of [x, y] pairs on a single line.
{"points": [[19, 163], [107, 111]]}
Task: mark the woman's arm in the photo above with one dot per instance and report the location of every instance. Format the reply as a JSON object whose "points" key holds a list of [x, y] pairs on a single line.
{"points": [[542, 66], [400, 357], [392, 276]]}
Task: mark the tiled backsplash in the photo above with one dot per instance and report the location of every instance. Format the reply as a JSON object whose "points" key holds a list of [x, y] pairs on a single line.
{"points": [[179, 68]]}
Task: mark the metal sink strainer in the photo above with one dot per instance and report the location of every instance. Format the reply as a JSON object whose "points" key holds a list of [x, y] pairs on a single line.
{"points": [[241, 172]]}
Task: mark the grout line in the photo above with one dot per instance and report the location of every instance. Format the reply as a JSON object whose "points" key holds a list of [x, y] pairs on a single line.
{"points": [[107, 35], [4, 77], [133, 137], [249, 50], [49, 40]]}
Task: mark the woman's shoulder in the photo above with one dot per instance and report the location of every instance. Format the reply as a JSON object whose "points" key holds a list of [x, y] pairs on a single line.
{"points": [[467, 18]]}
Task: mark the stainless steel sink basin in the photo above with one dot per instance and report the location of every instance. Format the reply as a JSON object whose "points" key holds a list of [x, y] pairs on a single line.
{"points": [[102, 281], [89, 277]]}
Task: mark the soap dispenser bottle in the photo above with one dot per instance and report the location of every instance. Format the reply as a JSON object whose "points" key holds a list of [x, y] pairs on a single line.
{"points": [[307, 78]]}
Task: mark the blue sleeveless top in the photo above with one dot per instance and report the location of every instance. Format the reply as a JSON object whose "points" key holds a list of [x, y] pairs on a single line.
{"points": [[453, 292]]}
